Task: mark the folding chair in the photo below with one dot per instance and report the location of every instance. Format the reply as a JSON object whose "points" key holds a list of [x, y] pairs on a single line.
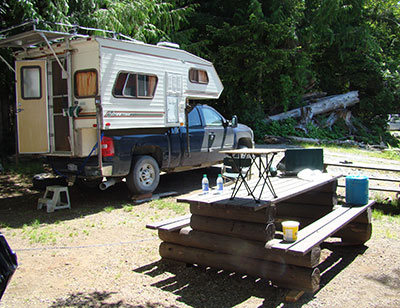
{"points": [[230, 170]]}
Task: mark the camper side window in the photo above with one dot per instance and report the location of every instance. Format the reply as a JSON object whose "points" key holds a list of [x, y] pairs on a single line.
{"points": [[198, 76], [131, 85], [86, 83], [31, 87]]}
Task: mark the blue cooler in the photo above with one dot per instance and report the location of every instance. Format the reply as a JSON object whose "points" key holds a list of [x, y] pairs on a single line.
{"points": [[357, 190]]}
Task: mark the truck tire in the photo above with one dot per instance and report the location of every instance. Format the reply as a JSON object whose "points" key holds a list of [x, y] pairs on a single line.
{"points": [[144, 175]]}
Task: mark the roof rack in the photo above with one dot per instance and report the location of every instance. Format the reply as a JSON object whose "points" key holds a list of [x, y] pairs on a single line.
{"points": [[13, 37]]}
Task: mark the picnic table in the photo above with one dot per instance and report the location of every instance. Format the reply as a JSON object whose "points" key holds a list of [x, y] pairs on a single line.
{"points": [[244, 235]]}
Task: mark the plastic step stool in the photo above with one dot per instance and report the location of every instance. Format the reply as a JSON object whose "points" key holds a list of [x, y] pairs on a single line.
{"points": [[52, 198]]}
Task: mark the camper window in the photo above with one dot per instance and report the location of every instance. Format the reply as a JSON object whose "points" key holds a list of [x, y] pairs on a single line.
{"points": [[86, 83], [131, 85], [31, 87], [198, 76]]}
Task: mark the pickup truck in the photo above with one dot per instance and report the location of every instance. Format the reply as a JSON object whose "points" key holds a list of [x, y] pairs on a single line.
{"points": [[138, 155]]}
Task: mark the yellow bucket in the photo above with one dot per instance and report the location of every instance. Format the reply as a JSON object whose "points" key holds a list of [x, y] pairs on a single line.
{"points": [[290, 229]]}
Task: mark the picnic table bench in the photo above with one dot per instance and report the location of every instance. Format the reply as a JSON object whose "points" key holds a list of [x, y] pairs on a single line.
{"points": [[243, 235]]}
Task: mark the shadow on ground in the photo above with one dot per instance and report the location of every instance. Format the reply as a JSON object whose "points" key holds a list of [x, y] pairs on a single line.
{"points": [[98, 300], [218, 288], [18, 201]]}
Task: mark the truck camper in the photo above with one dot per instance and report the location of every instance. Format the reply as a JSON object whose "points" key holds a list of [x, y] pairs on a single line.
{"points": [[74, 92]]}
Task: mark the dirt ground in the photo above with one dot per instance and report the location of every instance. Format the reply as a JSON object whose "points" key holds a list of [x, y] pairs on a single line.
{"points": [[99, 254]]}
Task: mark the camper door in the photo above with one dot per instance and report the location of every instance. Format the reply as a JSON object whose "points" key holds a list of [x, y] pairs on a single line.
{"points": [[32, 109]]}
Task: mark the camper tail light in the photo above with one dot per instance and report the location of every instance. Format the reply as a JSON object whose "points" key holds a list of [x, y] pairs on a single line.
{"points": [[107, 147]]}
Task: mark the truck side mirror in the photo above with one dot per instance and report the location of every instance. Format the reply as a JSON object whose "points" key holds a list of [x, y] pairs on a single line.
{"points": [[234, 121]]}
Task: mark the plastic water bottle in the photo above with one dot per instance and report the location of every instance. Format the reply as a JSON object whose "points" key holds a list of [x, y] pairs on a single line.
{"points": [[220, 184], [205, 185]]}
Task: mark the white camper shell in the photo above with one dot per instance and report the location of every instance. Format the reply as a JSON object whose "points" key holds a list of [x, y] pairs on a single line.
{"points": [[70, 88]]}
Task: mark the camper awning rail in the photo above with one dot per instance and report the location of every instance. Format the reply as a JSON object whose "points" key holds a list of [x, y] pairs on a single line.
{"points": [[32, 38]]}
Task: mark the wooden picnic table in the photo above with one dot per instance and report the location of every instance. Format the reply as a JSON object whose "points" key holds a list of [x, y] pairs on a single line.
{"points": [[244, 236]]}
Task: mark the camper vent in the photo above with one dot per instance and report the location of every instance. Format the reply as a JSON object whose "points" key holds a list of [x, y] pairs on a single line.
{"points": [[168, 44]]}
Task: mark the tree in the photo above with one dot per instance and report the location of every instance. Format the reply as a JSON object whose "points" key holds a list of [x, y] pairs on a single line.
{"points": [[254, 47]]}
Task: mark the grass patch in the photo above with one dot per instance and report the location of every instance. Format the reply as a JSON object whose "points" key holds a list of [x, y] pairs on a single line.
{"points": [[109, 209], [178, 208], [128, 208], [36, 233]]}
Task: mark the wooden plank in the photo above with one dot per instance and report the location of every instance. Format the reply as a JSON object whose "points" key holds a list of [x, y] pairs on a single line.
{"points": [[285, 188], [305, 187], [175, 225], [320, 234], [307, 231], [156, 225]]}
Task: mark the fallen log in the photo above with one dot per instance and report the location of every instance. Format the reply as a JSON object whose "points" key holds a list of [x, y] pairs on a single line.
{"points": [[355, 233], [281, 274], [235, 246], [315, 197], [324, 105], [245, 230]]}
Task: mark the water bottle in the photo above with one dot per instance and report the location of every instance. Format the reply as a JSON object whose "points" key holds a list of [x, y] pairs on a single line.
{"points": [[220, 184], [204, 184]]}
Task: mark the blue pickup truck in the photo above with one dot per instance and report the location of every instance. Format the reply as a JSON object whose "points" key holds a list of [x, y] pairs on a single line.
{"points": [[138, 155]]}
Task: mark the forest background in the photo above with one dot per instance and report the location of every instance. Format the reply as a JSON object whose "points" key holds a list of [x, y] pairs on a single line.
{"points": [[269, 54]]}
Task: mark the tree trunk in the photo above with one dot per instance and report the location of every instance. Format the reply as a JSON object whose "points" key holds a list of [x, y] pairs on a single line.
{"points": [[322, 106]]}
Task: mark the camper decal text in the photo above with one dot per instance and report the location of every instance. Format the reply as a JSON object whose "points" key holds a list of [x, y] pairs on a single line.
{"points": [[136, 114]]}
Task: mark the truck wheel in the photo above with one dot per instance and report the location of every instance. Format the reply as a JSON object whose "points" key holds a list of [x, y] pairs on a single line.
{"points": [[144, 176]]}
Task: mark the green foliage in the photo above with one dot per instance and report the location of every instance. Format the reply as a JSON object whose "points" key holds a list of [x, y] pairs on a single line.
{"points": [[374, 134]]}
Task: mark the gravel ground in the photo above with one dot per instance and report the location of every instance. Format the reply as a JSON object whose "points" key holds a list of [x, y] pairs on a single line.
{"points": [[99, 254]]}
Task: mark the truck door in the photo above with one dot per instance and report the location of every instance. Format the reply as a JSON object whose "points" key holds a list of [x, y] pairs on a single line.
{"points": [[216, 133], [198, 145], [32, 106]]}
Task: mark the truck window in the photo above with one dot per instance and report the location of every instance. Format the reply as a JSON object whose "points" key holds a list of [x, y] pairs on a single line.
{"points": [[31, 87], [194, 118], [132, 85], [86, 83], [212, 118], [198, 76]]}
